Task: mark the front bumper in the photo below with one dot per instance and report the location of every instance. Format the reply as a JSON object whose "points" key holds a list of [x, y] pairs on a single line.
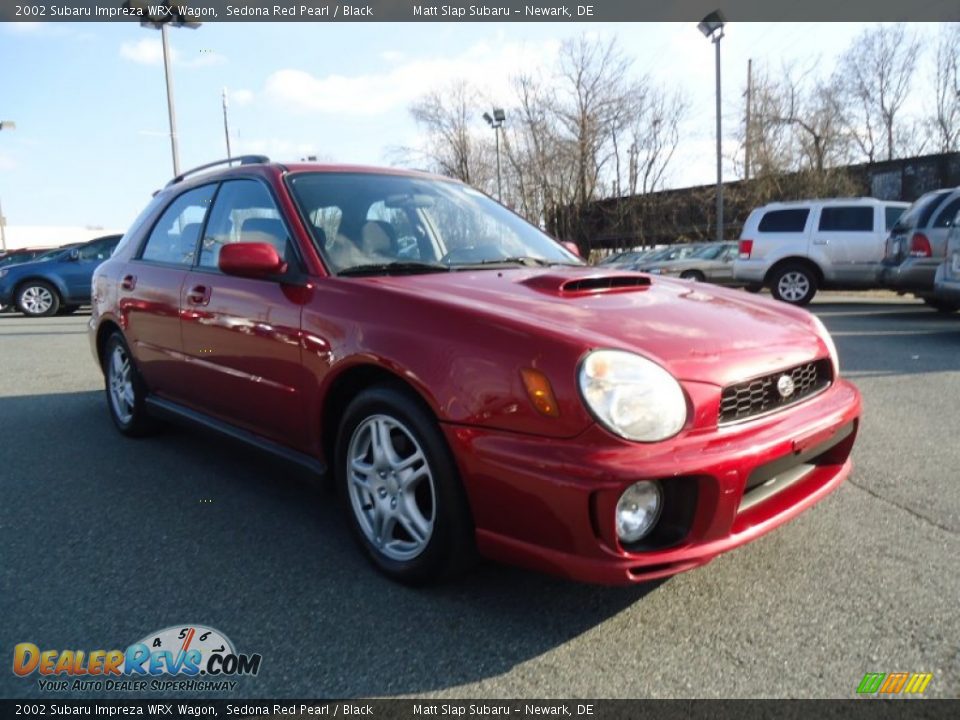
{"points": [[912, 275], [548, 504]]}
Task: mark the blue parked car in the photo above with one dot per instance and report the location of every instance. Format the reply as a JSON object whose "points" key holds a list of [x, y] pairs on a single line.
{"points": [[57, 283]]}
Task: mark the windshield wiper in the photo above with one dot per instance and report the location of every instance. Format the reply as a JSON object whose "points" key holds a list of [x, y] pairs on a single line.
{"points": [[525, 260], [394, 268]]}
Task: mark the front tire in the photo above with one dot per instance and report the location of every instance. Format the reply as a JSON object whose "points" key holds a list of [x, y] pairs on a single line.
{"points": [[400, 488], [126, 391], [37, 298], [694, 275], [794, 283]]}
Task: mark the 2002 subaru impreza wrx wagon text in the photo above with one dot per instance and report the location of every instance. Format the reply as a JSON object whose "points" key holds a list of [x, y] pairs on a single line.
{"points": [[471, 386]]}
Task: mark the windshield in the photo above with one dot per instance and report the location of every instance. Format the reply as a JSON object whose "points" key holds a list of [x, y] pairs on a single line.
{"points": [[377, 224], [710, 252]]}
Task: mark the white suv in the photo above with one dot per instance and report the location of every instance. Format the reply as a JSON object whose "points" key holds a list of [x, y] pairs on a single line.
{"points": [[796, 247]]}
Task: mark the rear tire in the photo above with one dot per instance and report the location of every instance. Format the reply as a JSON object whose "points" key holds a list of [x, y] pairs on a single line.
{"points": [[794, 283], [694, 275], [126, 391], [400, 488], [37, 298], [753, 287], [941, 306]]}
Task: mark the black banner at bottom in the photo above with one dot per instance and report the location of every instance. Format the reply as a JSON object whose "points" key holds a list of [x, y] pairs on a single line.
{"points": [[866, 708]]}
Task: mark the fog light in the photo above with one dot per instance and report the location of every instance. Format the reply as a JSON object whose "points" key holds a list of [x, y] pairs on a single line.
{"points": [[638, 511]]}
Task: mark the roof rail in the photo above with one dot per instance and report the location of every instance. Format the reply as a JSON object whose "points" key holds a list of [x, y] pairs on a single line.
{"points": [[242, 159]]}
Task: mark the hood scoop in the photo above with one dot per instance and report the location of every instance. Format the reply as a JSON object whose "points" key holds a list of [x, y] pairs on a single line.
{"points": [[588, 285]]}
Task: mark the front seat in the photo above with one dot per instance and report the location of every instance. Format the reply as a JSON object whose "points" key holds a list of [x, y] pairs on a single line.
{"points": [[379, 239]]}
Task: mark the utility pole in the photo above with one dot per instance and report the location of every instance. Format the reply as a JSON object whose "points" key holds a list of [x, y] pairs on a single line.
{"points": [[747, 136], [226, 124]]}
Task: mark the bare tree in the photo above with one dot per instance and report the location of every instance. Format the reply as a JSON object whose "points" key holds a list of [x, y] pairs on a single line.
{"points": [[447, 116], [945, 125], [874, 75]]}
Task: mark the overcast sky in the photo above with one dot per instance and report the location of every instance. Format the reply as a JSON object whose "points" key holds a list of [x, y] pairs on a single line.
{"points": [[91, 141]]}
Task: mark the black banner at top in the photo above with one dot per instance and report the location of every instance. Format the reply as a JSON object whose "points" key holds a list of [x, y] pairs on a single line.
{"points": [[457, 11]]}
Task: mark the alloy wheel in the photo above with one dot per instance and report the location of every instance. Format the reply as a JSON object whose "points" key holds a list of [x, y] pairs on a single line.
{"points": [[391, 487]]}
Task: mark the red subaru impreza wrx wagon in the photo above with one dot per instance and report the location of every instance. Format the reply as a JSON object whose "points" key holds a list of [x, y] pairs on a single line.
{"points": [[470, 384]]}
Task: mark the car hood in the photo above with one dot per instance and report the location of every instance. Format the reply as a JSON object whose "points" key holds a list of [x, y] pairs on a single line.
{"points": [[698, 333]]}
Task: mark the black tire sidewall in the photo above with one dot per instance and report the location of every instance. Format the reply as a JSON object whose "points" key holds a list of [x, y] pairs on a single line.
{"points": [[54, 307], [807, 272], [694, 275], [140, 423], [450, 547]]}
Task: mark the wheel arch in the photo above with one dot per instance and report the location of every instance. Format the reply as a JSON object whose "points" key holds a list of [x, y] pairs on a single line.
{"points": [[104, 331], [52, 282], [793, 260], [352, 380]]}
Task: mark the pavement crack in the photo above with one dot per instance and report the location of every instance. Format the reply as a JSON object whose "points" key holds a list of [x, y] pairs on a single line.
{"points": [[906, 509]]}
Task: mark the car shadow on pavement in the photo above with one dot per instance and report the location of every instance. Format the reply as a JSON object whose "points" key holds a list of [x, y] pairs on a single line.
{"points": [[189, 527]]}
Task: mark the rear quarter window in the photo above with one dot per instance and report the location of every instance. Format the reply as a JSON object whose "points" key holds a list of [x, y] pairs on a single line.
{"points": [[784, 221], [892, 214], [847, 218], [949, 212]]}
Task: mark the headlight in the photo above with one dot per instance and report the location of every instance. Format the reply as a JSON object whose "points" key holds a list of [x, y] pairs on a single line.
{"points": [[825, 336], [631, 396], [638, 511]]}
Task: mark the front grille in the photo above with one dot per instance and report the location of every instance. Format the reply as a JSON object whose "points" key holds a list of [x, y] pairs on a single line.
{"points": [[761, 395]]}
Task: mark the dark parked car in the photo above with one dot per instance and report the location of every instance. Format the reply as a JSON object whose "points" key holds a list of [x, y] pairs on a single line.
{"points": [[57, 282], [486, 391]]}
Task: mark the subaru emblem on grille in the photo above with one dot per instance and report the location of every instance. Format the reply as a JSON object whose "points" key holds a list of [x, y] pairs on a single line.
{"points": [[785, 386]]}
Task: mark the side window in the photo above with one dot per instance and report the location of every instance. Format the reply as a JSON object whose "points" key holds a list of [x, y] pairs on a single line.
{"points": [[174, 237], [100, 250], [893, 213], [244, 212], [949, 212], [850, 218], [784, 221]]}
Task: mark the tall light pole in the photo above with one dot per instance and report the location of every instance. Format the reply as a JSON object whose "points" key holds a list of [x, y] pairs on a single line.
{"points": [[4, 125], [226, 124], [712, 27], [159, 20], [496, 122]]}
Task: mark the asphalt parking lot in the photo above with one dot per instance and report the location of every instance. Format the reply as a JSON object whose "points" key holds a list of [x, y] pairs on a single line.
{"points": [[105, 539]]}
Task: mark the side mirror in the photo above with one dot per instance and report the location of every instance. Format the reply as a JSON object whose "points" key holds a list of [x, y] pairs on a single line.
{"points": [[572, 247], [74, 255], [251, 259]]}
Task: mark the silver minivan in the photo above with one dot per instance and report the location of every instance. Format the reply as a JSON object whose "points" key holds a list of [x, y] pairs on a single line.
{"points": [[946, 282]]}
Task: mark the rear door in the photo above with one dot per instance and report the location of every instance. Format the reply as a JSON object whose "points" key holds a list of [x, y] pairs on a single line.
{"points": [[241, 336], [850, 237], [149, 291]]}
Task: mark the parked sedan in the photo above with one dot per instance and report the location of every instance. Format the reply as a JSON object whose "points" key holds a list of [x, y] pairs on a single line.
{"points": [[710, 263], [56, 282], [491, 394]]}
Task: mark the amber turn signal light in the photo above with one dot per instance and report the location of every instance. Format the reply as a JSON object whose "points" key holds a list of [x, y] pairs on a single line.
{"points": [[540, 392]]}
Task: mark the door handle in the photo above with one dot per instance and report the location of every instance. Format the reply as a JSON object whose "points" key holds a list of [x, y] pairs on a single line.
{"points": [[129, 282], [198, 295], [821, 241]]}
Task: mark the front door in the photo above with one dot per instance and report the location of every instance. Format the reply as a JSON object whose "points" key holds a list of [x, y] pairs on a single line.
{"points": [[241, 336]]}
